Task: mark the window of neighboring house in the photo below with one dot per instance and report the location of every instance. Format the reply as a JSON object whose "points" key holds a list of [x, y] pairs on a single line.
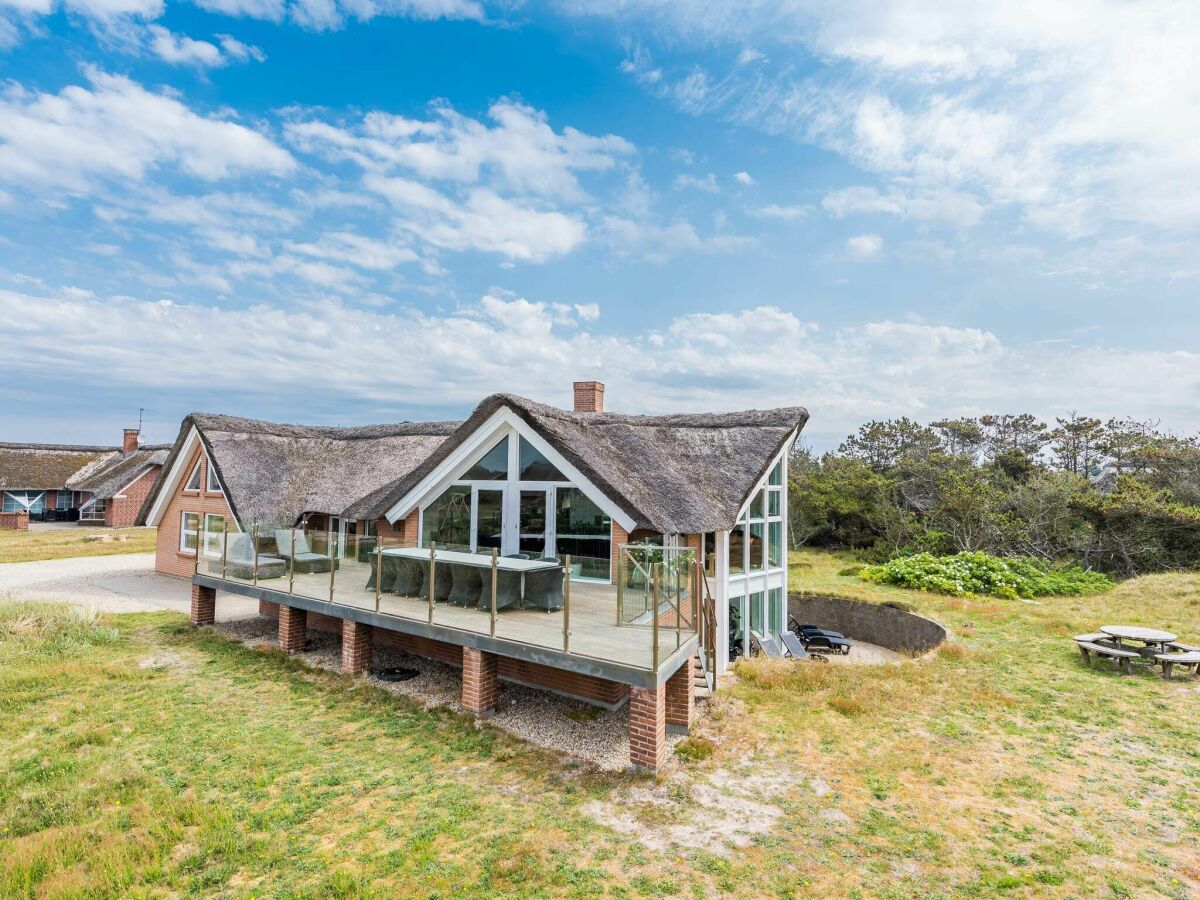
{"points": [[213, 485], [93, 510], [214, 534], [189, 528], [10, 503], [64, 499], [193, 482]]}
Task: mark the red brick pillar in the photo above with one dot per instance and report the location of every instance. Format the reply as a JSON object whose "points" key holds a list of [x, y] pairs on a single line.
{"points": [[269, 609], [647, 727], [480, 681], [204, 605], [293, 628], [356, 647], [681, 698]]}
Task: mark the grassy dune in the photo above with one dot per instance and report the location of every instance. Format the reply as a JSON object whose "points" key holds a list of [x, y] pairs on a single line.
{"points": [[27, 546], [139, 757]]}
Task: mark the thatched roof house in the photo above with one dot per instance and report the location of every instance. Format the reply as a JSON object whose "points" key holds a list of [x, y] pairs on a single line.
{"points": [[48, 467], [684, 473], [275, 473]]}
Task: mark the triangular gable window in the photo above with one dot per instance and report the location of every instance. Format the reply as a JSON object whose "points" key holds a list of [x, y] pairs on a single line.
{"points": [[193, 482], [535, 466], [492, 467], [214, 483]]}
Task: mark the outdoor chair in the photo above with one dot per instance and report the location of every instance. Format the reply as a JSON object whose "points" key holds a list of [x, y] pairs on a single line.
{"points": [[792, 644], [508, 590], [408, 578], [465, 586], [240, 555], [544, 590], [442, 582], [769, 646], [305, 560], [516, 556], [388, 567]]}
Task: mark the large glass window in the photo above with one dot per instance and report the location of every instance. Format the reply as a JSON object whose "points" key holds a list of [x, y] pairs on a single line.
{"points": [[214, 534], [775, 544], [774, 502], [492, 467], [534, 466], [212, 482], [447, 520], [737, 632], [756, 612], [775, 610], [758, 557], [737, 549], [756, 506], [193, 482], [776, 476], [489, 520], [533, 523], [583, 531]]}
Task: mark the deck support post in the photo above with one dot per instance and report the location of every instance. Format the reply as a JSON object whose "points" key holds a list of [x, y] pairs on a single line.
{"points": [[356, 647], [681, 698], [293, 628], [647, 727], [204, 605], [480, 682]]}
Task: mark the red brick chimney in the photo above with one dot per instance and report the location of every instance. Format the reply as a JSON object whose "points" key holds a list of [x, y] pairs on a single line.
{"points": [[130, 443], [589, 396]]}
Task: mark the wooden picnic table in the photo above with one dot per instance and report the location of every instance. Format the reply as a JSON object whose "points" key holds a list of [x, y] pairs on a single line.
{"points": [[1155, 639]]}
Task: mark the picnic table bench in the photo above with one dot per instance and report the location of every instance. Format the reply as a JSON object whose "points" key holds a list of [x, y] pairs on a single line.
{"points": [[1122, 658], [1168, 661]]}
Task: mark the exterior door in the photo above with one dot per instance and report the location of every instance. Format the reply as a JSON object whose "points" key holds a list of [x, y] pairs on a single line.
{"points": [[489, 519], [533, 522]]}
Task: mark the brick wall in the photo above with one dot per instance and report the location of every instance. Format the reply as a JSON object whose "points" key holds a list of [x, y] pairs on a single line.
{"points": [[122, 510], [647, 727], [168, 558], [619, 536], [480, 684], [15, 521], [356, 647], [293, 629]]}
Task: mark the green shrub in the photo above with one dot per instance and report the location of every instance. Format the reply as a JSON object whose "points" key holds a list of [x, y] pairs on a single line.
{"points": [[980, 574], [850, 571]]}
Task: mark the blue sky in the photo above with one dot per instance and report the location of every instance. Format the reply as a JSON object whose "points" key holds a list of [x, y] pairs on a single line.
{"points": [[341, 212]]}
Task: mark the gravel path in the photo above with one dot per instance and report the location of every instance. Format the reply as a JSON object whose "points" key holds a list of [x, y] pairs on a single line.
{"points": [[120, 583], [588, 733]]}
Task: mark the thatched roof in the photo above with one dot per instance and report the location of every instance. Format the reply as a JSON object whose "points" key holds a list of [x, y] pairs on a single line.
{"points": [[679, 473], [43, 467], [275, 473], [111, 475]]}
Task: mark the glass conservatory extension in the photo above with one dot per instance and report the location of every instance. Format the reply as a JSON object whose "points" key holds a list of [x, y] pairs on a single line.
{"points": [[515, 500]]}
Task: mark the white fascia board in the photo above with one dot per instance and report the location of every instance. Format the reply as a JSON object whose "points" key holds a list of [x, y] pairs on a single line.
{"points": [[173, 478], [502, 420]]}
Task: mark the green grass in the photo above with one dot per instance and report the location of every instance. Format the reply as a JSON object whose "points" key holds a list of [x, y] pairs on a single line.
{"points": [[27, 546], [139, 757]]}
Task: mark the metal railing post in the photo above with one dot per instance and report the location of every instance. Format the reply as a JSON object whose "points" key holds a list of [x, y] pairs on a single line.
{"points": [[678, 611], [332, 564], [254, 551], [495, 578], [225, 549], [695, 595], [199, 542], [378, 568], [432, 576], [620, 576], [292, 561], [655, 574], [567, 603]]}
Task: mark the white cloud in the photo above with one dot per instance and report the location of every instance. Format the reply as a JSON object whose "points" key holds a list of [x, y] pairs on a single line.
{"points": [[775, 211], [658, 243], [357, 250], [864, 247], [179, 49], [743, 178], [708, 183], [238, 51], [119, 130], [952, 208], [506, 342], [1082, 116]]}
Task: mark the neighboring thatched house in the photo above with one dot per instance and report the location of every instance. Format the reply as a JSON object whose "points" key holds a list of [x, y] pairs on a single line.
{"points": [[73, 483], [636, 523]]}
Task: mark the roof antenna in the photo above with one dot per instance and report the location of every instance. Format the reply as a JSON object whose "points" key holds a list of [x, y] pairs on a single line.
{"points": [[141, 409]]}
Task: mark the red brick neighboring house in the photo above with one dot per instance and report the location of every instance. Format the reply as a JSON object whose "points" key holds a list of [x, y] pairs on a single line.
{"points": [[577, 495], [92, 485]]}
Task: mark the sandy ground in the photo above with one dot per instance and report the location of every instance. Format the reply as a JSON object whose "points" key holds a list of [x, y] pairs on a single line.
{"points": [[119, 583], [864, 654]]}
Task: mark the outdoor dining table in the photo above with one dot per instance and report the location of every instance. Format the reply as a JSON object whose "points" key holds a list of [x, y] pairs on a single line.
{"points": [[478, 560], [1155, 639]]}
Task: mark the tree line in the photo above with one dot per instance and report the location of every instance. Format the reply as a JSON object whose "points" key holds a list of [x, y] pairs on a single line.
{"points": [[1121, 496]]}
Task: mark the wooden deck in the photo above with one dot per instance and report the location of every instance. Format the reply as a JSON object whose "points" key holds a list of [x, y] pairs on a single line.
{"points": [[594, 631]]}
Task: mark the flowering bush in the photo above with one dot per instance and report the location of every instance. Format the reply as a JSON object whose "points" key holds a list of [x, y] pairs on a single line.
{"points": [[971, 574]]}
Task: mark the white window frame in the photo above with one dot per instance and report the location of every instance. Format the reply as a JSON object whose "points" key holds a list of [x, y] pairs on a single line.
{"points": [[210, 477], [194, 475], [184, 532]]}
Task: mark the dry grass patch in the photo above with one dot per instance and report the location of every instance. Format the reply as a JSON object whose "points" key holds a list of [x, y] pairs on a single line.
{"points": [[27, 546]]}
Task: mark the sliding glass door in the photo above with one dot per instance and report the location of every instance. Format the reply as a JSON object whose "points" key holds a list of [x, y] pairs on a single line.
{"points": [[533, 523]]}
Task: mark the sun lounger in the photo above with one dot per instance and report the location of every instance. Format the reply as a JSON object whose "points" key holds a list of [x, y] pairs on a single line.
{"points": [[792, 644], [240, 558], [293, 544]]}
